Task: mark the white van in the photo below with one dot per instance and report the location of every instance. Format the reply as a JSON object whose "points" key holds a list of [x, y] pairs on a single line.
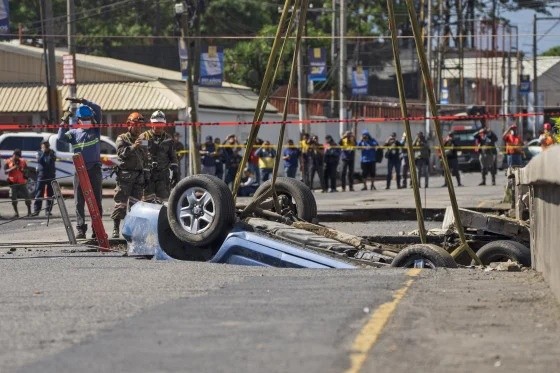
{"points": [[30, 144]]}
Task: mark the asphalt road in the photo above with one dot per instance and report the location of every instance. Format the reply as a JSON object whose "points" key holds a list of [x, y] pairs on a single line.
{"points": [[65, 309]]}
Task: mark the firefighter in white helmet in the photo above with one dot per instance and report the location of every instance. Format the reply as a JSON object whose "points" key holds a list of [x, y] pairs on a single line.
{"points": [[163, 159]]}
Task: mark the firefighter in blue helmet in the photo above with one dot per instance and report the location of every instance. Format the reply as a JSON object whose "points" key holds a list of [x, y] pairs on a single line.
{"points": [[84, 139]]}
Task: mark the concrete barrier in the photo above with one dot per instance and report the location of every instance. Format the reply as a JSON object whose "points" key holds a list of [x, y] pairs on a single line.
{"points": [[542, 176]]}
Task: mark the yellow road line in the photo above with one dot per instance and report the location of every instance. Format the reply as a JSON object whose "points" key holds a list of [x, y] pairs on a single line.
{"points": [[372, 329]]}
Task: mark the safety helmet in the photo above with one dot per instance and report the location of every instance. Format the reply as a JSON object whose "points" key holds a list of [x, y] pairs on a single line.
{"points": [[547, 126], [158, 117], [135, 118], [84, 111]]}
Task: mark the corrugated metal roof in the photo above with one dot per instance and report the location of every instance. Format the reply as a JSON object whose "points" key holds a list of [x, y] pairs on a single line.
{"points": [[221, 98], [129, 96], [23, 99], [126, 96]]}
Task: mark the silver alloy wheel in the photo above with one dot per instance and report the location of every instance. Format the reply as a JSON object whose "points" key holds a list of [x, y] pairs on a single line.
{"points": [[196, 210]]}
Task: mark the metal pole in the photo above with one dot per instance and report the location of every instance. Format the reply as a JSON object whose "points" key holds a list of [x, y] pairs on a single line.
{"points": [[302, 112], [342, 68], [404, 111], [535, 79], [51, 63], [437, 125], [71, 28], [429, 57]]}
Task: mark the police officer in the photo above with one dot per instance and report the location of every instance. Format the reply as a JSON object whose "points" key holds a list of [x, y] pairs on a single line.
{"points": [[486, 146], [133, 170], [163, 158], [85, 140]]}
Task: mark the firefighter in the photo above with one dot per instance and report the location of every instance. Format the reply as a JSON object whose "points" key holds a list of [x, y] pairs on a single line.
{"points": [[85, 140], [546, 138], [486, 146], [163, 158], [16, 169], [132, 172]]}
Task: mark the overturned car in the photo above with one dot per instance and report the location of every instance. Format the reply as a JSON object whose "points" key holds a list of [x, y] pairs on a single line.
{"points": [[201, 222]]}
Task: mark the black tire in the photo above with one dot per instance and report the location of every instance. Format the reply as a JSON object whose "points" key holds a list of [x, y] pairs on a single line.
{"points": [[31, 184], [502, 250], [433, 256], [300, 199], [206, 219]]}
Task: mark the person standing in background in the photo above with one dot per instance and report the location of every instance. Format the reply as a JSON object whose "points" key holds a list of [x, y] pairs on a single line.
{"points": [[514, 146], [46, 172], [405, 164], [16, 169], [290, 155], [368, 147], [392, 153], [422, 158], [347, 155], [331, 159], [266, 154]]}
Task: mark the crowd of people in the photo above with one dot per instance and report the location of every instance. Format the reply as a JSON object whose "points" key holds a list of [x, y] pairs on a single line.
{"points": [[149, 161]]}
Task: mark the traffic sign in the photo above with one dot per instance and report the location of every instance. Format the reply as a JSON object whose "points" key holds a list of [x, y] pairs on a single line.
{"points": [[68, 69]]}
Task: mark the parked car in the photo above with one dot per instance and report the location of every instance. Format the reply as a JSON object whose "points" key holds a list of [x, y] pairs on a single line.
{"points": [[30, 143], [532, 149]]}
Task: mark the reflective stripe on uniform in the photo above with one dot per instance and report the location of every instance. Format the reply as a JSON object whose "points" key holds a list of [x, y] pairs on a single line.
{"points": [[86, 144]]}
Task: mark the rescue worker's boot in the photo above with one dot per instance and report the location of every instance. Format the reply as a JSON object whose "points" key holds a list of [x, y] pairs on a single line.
{"points": [[16, 215], [493, 179], [28, 208], [81, 232], [483, 182], [116, 224]]}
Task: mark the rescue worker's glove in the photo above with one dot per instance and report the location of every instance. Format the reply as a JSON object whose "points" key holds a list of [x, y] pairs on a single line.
{"points": [[76, 100], [66, 117], [175, 175], [146, 174]]}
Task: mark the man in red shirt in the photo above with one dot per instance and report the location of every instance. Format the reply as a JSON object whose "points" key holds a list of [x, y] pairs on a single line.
{"points": [[514, 146], [16, 169]]}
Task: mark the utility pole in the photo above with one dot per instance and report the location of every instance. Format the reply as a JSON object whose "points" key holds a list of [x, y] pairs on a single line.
{"points": [[429, 58], [188, 16], [71, 31], [52, 96], [535, 78], [342, 69], [333, 54]]}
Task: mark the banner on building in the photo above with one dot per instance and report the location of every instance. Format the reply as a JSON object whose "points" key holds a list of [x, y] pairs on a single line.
{"points": [[211, 66], [183, 59], [317, 64], [4, 18], [359, 81], [524, 84]]}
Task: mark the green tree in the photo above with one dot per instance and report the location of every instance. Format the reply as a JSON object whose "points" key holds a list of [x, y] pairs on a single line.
{"points": [[552, 52]]}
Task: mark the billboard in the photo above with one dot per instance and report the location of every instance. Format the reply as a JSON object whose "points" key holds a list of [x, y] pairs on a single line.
{"points": [[211, 66], [317, 64], [359, 81], [4, 18]]}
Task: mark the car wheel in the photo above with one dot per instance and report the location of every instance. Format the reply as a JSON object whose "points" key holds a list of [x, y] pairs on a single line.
{"points": [[31, 183], [294, 198], [201, 210], [424, 256], [504, 250]]}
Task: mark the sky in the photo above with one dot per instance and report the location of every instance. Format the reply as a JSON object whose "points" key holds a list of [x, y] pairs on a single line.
{"points": [[524, 21]]}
